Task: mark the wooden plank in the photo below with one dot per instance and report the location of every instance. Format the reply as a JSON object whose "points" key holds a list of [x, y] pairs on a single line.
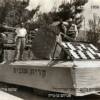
{"points": [[71, 46], [93, 47], [43, 63], [83, 56], [74, 54], [90, 55], [92, 51]]}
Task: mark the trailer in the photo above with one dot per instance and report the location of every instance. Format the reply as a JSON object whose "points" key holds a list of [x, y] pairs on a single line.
{"points": [[78, 75]]}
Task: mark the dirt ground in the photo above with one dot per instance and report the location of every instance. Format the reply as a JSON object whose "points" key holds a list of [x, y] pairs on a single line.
{"points": [[31, 94]]}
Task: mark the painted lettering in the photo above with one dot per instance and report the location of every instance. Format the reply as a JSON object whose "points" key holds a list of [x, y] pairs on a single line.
{"points": [[33, 71], [20, 70]]}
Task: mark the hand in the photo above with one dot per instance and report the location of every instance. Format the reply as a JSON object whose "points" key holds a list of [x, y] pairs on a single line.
{"points": [[58, 38]]}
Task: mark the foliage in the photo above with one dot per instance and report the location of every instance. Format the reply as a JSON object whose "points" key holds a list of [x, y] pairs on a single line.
{"points": [[13, 12], [70, 10], [94, 30]]}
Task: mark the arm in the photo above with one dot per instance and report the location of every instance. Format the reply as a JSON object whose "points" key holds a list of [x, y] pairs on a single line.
{"points": [[76, 30], [68, 37], [64, 28], [8, 28]]}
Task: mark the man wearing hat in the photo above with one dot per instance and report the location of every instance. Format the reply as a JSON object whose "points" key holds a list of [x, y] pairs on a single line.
{"points": [[20, 40]]}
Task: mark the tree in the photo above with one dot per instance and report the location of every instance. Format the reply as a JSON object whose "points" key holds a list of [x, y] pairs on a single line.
{"points": [[13, 12], [94, 30], [70, 10]]}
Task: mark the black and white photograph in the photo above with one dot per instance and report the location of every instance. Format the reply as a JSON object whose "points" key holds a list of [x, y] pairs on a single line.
{"points": [[49, 49]]}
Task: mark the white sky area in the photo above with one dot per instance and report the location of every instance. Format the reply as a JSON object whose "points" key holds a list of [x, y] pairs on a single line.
{"points": [[88, 12], [45, 5]]}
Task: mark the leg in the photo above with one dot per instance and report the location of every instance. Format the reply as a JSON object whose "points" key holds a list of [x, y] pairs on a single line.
{"points": [[1, 54], [22, 48], [18, 46]]}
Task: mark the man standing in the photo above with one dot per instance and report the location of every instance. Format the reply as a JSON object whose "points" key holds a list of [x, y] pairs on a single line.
{"points": [[20, 40], [68, 32]]}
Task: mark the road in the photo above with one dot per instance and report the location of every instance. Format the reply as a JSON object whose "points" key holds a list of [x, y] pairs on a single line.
{"points": [[30, 94]]}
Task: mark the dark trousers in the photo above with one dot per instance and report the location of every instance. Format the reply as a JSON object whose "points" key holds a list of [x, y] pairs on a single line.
{"points": [[1, 53], [20, 45]]}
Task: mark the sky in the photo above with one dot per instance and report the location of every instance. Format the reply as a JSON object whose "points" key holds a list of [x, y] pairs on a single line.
{"points": [[45, 5], [90, 9]]}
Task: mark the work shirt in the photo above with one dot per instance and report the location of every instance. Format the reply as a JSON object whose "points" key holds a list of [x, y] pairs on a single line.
{"points": [[73, 31], [21, 32]]}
